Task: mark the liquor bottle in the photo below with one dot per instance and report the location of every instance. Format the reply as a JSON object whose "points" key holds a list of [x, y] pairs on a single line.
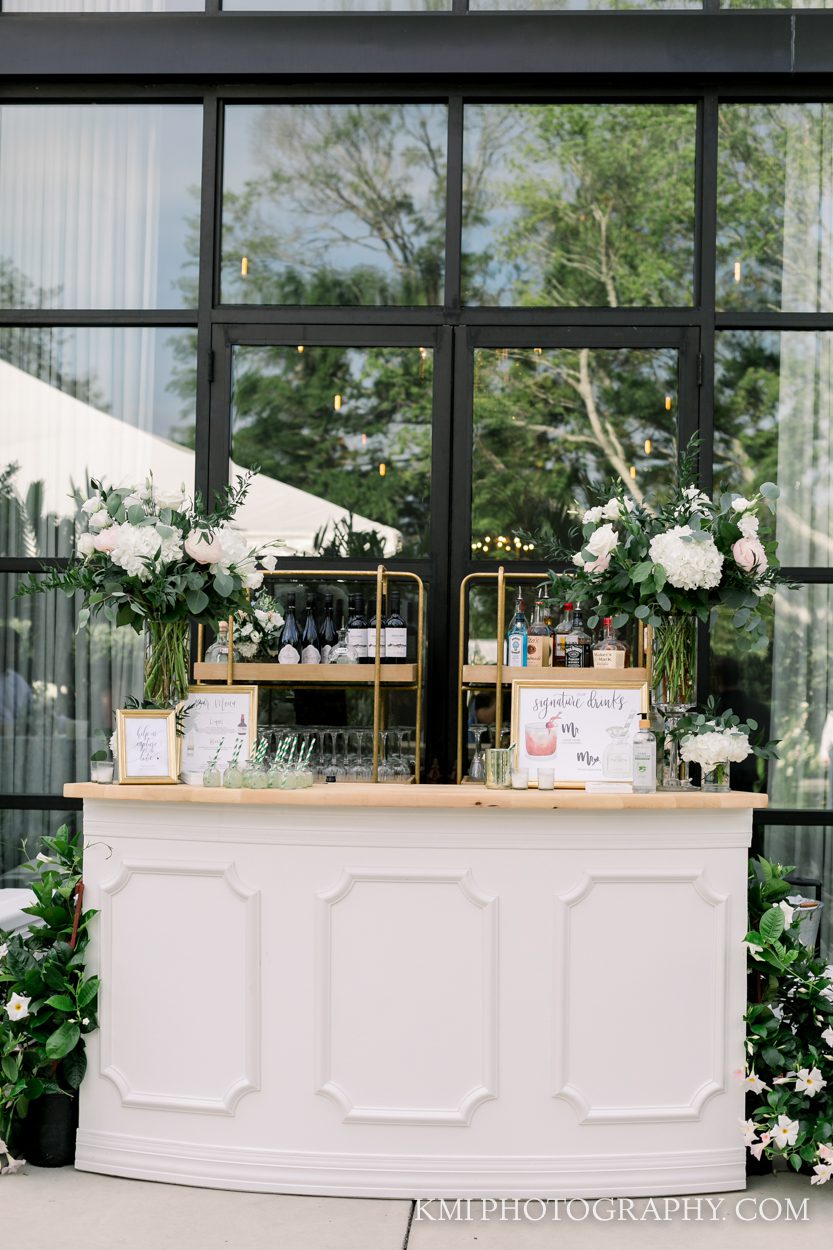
{"points": [[310, 645], [609, 651], [562, 629], [517, 637], [327, 634], [396, 633], [357, 629], [577, 643], [539, 650], [644, 760], [217, 653], [289, 651], [371, 635]]}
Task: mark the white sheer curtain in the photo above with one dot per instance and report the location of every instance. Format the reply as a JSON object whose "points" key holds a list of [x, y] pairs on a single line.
{"points": [[802, 647]]}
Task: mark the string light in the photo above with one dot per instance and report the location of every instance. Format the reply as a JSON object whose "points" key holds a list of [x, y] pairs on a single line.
{"points": [[649, 446], [667, 403], [244, 266], [383, 468], [633, 472], [301, 348], [737, 271], [337, 403]]}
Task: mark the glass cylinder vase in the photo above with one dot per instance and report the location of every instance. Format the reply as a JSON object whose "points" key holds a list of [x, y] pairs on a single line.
{"points": [[716, 779], [166, 662], [673, 680]]}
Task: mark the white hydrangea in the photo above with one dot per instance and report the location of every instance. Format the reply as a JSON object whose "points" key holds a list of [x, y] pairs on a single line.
{"points": [[738, 747], [170, 547], [689, 564], [706, 749], [136, 544], [748, 525]]}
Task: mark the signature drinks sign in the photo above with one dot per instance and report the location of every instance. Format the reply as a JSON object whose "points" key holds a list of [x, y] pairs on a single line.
{"points": [[580, 725]]}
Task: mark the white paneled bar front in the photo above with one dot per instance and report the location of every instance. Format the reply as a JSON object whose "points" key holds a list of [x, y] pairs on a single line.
{"points": [[434, 992]]}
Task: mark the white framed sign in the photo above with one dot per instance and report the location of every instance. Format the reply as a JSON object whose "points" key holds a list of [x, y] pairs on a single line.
{"points": [[214, 715], [147, 746], [580, 724]]}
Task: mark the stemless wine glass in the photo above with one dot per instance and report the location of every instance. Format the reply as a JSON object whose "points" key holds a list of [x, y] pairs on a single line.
{"points": [[477, 767]]}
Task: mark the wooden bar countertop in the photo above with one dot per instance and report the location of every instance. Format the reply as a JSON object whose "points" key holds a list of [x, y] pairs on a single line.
{"points": [[365, 794]]}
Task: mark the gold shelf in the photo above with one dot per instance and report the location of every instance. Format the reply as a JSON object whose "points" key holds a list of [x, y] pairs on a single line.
{"points": [[486, 674], [308, 674]]}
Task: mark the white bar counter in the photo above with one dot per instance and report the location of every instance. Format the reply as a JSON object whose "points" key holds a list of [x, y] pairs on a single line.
{"points": [[417, 991]]}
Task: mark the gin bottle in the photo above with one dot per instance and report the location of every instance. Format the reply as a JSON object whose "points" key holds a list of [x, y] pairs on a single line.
{"points": [[517, 638]]}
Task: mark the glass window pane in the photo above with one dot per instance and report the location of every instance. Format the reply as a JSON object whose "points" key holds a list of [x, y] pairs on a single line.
{"points": [[342, 437], [102, 6], [786, 687], [99, 205], [75, 403], [578, 204], [775, 180], [774, 422], [340, 6], [57, 688], [334, 204], [548, 422], [21, 833]]}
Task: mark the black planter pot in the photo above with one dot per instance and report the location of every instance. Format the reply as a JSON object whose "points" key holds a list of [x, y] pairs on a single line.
{"points": [[757, 1167], [48, 1132]]}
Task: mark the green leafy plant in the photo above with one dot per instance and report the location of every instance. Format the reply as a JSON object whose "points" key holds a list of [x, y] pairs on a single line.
{"points": [[48, 1004], [789, 1038]]}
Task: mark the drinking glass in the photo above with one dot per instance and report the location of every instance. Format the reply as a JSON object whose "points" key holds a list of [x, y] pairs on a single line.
{"points": [[477, 767]]}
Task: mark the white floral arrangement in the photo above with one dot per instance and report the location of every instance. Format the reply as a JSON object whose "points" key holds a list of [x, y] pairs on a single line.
{"points": [[258, 632], [709, 738]]}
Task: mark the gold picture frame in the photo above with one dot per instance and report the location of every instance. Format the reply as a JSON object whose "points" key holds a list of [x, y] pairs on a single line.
{"points": [[588, 702], [196, 753], [149, 758]]}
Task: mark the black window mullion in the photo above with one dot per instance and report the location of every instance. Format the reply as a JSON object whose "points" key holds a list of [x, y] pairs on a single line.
{"points": [[207, 255], [454, 205]]}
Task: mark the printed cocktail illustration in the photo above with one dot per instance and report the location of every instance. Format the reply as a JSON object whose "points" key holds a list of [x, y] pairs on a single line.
{"points": [[542, 737]]}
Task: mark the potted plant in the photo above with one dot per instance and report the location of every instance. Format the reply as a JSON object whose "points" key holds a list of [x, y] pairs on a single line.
{"points": [[789, 1040], [48, 1006], [716, 740]]}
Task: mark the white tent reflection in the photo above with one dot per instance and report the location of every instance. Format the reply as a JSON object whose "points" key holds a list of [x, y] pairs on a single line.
{"points": [[59, 441]]}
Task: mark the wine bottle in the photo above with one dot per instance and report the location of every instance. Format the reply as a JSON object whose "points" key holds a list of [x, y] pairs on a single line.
{"points": [[289, 651], [327, 634], [310, 646], [396, 633], [371, 635], [357, 628]]}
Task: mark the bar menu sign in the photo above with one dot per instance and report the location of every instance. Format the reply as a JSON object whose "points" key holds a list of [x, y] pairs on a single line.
{"points": [[217, 717], [579, 725]]}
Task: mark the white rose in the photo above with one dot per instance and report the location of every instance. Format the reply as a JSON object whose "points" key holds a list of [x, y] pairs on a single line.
{"points": [[616, 508], [100, 520], [93, 504], [592, 516], [86, 545], [268, 561], [176, 500], [742, 505], [602, 541]]}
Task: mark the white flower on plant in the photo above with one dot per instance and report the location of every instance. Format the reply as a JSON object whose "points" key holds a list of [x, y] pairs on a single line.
{"points": [[753, 949], [614, 509], [758, 1149], [4, 950], [690, 564], [204, 546], [11, 1165], [740, 504], [823, 1173], [176, 500], [170, 544], [754, 1083], [107, 539], [44, 859], [707, 750], [748, 525], [785, 1132], [268, 561], [737, 747], [826, 1154], [749, 555], [100, 520], [788, 911], [136, 546], [696, 498], [828, 1037], [236, 557], [749, 1128], [93, 504], [17, 1008], [85, 545], [809, 1082], [593, 515], [603, 541]]}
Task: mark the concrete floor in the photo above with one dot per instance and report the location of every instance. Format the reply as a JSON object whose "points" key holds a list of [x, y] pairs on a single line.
{"points": [[42, 1210]]}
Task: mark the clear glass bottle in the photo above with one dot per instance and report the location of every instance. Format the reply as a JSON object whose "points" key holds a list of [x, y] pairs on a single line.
{"points": [[517, 637], [577, 643], [644, 760], [609, 651], [562, 629], [342, 652], [217, 653], [396, 632], [289, 651], [539, 648]]}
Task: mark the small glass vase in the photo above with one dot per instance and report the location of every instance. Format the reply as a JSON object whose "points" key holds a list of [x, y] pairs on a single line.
{"points": [[716, 780], [166, 662], [673, 683]]}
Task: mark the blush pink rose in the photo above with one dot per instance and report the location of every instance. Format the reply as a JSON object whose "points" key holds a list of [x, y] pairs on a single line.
{"points": [[750, 555], [204, 546], [598, 566], [107, 540]]}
